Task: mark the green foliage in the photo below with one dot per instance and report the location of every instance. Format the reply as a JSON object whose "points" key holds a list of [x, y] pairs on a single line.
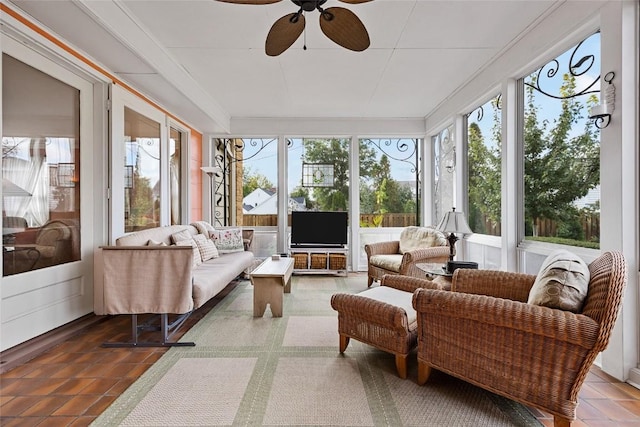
{"points": [[568, 242], [334, 151], [559, 168], [252, 181], [303, 192]]}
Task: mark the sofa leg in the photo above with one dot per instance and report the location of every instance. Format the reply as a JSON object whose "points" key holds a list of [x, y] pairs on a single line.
{"points": [[401, 365], [561, 421], [166, 328], [424, 371], [344, 342]]}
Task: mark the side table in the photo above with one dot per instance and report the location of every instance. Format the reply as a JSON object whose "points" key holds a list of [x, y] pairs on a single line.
{"points": [[437, 274]]}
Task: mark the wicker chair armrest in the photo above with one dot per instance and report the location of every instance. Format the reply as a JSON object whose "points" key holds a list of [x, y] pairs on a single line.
{"points": [[499, 284], [406, 283], [379, 248], [370, 310], [432, 254], [437, 308]]}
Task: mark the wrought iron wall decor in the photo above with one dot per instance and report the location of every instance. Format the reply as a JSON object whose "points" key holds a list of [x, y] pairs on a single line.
{"points": [[602, 113]]}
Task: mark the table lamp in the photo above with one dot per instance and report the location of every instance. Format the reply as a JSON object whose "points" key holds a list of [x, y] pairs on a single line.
{"points": [[453, 222]]}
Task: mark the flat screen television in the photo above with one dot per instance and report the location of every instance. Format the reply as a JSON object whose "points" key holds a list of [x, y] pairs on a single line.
{"points": [[318, 229]]}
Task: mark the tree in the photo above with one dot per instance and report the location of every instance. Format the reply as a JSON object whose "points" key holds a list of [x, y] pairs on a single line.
{"points": [[559, 168], [252, 181]]}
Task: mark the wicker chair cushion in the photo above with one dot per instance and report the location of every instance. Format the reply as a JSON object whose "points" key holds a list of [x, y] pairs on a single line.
{"points": [[390, 262], [413, 238], [562, 282], [394, 297]]}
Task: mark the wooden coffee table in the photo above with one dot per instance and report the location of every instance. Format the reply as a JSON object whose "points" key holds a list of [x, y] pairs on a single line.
{"points": [[270, 281]]}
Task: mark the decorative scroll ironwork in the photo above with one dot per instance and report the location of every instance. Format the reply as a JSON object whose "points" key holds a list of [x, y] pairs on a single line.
{"points": [[227, 152], [405, 153], [578, 66]]}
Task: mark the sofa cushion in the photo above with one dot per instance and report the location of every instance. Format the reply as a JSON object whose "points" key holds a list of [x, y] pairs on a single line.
{"points": [[562, 282], [181, 236], [215, 274], [206, 247], [203, 227], [413, 238], [152, 242], [389, 262], [228, 240], [197, 259]]}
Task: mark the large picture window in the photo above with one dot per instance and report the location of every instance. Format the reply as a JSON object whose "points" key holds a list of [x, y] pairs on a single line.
{"points": [[562, 148], [40, 169], [484, 139]]}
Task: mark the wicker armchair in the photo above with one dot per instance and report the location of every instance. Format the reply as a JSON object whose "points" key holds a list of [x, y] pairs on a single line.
{"points": [[391, 258], [485, 333]]}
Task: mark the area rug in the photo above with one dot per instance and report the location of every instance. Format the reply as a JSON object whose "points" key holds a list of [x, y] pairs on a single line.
{"points": [[287, 371]]}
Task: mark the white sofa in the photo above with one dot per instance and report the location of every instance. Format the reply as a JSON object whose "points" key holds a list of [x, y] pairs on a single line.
{"points": [[135, 278]]}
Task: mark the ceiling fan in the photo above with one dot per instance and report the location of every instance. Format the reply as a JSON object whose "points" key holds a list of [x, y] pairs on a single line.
{"points": [[339, 24]]}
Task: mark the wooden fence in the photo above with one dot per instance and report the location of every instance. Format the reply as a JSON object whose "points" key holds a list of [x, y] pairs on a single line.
{"points": [[546, 228]]}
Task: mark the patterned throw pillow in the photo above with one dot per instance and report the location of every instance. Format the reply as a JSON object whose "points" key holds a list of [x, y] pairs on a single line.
{"points": [[206, 247], [228, 240], [561, 283], [197, 260]]}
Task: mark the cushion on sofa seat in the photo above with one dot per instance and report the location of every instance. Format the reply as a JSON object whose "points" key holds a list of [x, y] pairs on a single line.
{"points": [[228, 240], [562, 282], [412, 238], [206, 247], [389, 262], [215, 274]]}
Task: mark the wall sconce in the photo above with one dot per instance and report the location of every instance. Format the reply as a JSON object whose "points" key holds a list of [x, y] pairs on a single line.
{"points": [[602, 113]]}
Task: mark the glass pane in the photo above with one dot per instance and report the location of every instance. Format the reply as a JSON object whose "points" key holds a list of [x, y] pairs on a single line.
{"points": [[175, 174], [562, 149], [484, 133], [444, 168], [318, 174], [40, 169], [142, 172], [389, 182]]}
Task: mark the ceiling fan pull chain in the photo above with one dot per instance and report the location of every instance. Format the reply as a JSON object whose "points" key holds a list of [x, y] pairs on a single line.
{"points": [[304, 45]]}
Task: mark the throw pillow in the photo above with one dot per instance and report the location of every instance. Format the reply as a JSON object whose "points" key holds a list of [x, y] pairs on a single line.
{"points": [[181, 236], [206, 247], [203, 227], [197, 260], [228, 240], [414, 237], [152, 242], [561, 283]]}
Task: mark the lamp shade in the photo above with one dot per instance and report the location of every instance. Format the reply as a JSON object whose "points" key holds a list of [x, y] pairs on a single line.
{"points": [[454, 222]]}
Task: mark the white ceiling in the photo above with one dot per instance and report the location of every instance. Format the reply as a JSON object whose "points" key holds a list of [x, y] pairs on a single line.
{"points": [[204, 60]]}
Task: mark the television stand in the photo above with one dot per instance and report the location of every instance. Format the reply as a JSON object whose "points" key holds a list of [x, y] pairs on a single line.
{"points": [[319, 260]]}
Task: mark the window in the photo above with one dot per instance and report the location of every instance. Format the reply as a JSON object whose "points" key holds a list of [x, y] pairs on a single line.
{"points": [[318, 174], [444, 172], [142, 164], [484, 139], [562, 148], [175, 174], [40, 169], [389, 182]]}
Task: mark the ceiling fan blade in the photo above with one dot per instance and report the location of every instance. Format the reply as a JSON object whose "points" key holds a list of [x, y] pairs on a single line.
{"points": [[355, 1], [345, 28], [284, 33], [250, 1]]}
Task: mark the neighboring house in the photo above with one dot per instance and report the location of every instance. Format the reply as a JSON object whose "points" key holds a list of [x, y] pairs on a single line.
{"points": [[265, 202]]}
